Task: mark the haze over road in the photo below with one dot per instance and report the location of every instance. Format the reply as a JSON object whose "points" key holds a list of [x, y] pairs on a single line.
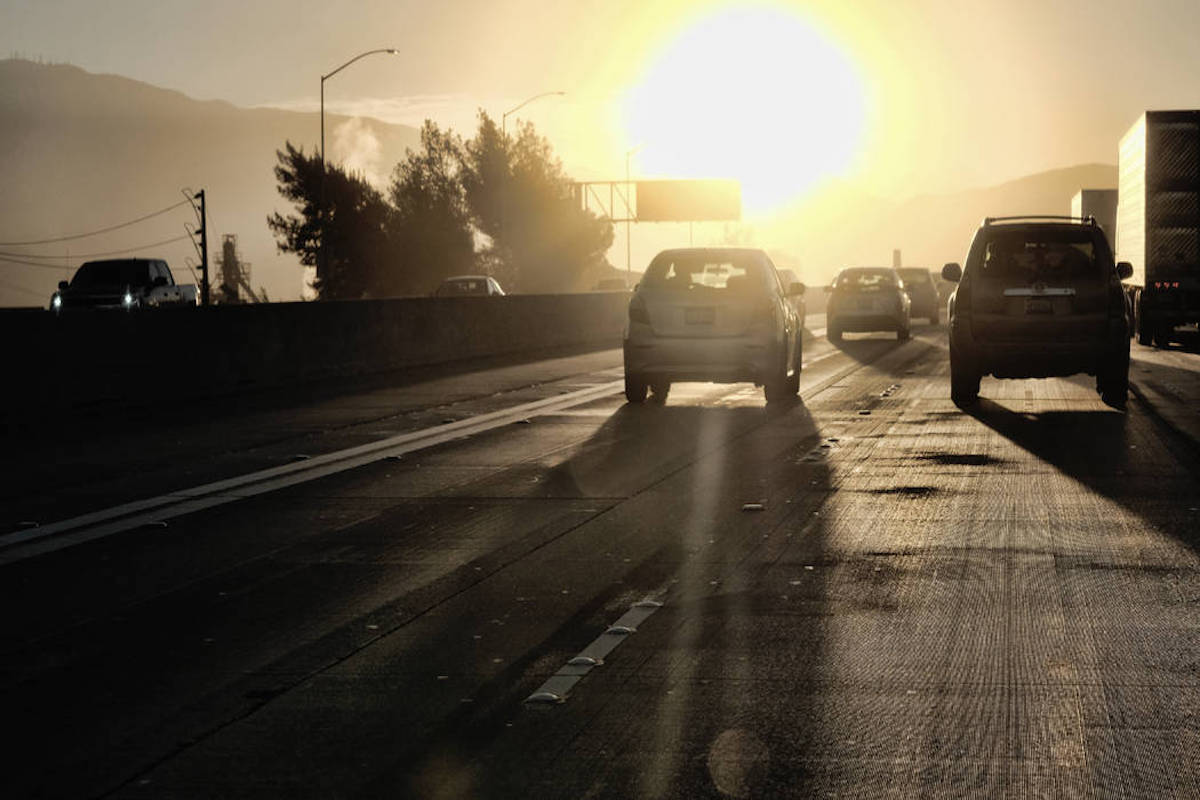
{"points": [[929, 602]]}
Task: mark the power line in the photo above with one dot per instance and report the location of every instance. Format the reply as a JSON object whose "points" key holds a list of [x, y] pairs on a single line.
{"points": [[93, 255], [22, 289], [34, 263], [96, 233]]}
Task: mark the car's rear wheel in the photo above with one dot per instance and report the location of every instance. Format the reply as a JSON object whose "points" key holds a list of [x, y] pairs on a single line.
{"points": [[776, 388], [660, 389], [832, 332], [904, 334], [964, 379], [793, 384], [1145, 332], [635, 388]]}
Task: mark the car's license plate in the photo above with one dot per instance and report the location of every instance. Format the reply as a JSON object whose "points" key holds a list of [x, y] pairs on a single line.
{"points": [[699, 316], [1038, 305]]}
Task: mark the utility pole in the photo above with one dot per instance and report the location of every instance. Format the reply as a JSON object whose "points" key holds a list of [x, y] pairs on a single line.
{"points": [[203, 249]]}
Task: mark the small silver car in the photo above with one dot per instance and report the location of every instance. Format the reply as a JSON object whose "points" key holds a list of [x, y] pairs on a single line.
{"points": [[712, 314], [864, 299]]}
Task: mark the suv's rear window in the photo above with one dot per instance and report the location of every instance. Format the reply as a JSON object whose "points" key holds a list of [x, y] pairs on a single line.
{"points": [[1029, 256], [705, 272], [866, 280]]}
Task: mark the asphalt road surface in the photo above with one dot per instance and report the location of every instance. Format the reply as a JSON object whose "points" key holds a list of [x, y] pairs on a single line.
{"points": [[511, 584]]}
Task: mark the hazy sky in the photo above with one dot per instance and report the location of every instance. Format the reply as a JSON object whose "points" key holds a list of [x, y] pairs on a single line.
{"points": [[794, 98], [950, 93]]}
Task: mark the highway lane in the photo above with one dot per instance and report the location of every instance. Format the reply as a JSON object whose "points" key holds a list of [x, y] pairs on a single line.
{"points": [[1002, 602]]}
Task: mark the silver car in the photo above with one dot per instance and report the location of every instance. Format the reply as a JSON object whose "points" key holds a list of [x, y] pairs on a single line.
{"points": [[712, 314], [865, 299]]}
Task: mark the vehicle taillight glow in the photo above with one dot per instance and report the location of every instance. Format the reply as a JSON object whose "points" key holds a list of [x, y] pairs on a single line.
{"points": [[637, 311], [1166, 284]]}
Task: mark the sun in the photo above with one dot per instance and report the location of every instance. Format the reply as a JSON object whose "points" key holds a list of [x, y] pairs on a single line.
{"points": [[756, 94]]}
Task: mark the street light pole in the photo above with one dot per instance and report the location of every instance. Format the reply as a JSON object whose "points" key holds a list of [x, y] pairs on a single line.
{"points": [[504, 141], [628, 209], [321, 211]]}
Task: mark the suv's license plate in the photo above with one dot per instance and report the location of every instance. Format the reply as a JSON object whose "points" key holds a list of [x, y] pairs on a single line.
{"points": [[699, 316], [1038, 305]]}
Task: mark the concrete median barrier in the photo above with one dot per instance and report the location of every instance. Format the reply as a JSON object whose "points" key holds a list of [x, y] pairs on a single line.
{"points": [[86, 359]]}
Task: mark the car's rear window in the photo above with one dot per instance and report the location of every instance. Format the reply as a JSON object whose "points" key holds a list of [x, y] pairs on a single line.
{"points": [[112, 273], [705, 272], [866, 280], [471, 286], [1046, 255], [914, 276]]}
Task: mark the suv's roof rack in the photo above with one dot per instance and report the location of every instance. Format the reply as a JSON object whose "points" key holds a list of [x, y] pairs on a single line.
{"points": [[1088, 220]]}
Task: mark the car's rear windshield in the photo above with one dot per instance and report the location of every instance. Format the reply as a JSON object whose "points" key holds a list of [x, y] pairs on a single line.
{"points": [[866, 280], [914, 275], [1027, 256], [706, 272], [463, 286], [112, 273]]}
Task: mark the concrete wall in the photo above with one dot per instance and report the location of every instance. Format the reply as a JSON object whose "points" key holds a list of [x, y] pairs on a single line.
{"points": [[83, 359]]}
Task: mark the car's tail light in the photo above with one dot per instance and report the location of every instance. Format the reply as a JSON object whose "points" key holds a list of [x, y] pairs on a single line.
{"points": [[637, 311]]}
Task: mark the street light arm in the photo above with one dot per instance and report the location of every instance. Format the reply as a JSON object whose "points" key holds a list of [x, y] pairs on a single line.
{"points": [[527, 101], [390, 50]]}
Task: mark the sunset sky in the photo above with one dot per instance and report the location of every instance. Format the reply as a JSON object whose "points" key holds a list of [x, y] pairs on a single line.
{"points": [[896, 97]]}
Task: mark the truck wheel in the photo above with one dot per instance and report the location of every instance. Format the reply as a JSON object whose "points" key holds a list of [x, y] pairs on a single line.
{"points": [[660, 389], [1162, 335], [1145, 332], [635, 388]]}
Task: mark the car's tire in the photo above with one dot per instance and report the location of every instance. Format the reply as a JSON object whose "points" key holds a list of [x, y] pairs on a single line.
{"points": [[1162, 335], [964, 379], [635, 388], [832, 332], [904, 334], [660, 389], [775, 388], [793, 383]]}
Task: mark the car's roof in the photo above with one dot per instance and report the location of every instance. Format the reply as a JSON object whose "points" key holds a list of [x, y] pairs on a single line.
{"points": [[704, 251]]}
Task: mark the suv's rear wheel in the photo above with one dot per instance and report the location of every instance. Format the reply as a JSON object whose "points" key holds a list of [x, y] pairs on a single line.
{"points": [[776, 388], [833, 332], [635, 388], [1112, 380], [964, 378], [660, 389], [904, 334]]}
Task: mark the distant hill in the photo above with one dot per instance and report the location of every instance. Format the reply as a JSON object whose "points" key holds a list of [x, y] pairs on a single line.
{"points": [[79, 152], [842, 228]]}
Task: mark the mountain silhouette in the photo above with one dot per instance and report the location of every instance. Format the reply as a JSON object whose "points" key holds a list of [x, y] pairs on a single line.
{"points": [[80, 152]]}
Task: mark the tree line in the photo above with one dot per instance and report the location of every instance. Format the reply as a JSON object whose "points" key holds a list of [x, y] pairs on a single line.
{"points": [[497, 204]]}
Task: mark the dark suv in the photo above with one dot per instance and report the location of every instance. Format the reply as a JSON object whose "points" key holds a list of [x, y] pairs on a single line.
{"points": [[1040, 297]]}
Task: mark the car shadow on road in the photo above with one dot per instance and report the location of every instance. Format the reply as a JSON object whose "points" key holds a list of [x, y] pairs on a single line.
{"points": [[1123, 458]]}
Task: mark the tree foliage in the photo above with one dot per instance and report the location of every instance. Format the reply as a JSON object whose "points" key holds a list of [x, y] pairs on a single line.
{"points": [[508, 194], [352, 222]]}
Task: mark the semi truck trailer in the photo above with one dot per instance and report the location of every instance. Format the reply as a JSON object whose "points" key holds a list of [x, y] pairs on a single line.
{"points": [[1158, 222]]}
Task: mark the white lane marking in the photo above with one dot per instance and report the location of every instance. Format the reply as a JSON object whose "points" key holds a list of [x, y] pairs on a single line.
{"points": [[559, 685], [97, 524]]}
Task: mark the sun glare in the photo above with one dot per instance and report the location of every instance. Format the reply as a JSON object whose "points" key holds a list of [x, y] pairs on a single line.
{"points": [[755, 94]]}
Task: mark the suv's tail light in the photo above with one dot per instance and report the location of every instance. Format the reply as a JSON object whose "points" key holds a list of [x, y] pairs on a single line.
{"points": [[637, 311]]}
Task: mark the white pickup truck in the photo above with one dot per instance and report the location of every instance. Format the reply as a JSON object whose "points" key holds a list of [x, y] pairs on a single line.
{"points": [[123, 283]]}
